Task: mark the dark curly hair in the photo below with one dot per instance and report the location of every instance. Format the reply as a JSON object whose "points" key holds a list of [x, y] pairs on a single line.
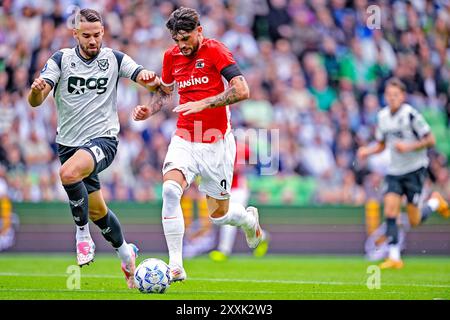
{"points": [[183, 19]]}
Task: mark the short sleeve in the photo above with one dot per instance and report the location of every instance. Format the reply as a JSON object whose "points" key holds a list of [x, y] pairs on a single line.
{"points": [[52, 69], [419, 126], [166, 73], [222, 56], [128, 68]]}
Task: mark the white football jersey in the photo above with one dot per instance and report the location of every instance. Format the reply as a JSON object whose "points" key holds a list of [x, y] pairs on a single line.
{"points": [[86, 92], [407, 125]]}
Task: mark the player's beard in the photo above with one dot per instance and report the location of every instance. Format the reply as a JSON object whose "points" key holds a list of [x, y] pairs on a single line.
{"points": [[192, 51], [89, 51]]}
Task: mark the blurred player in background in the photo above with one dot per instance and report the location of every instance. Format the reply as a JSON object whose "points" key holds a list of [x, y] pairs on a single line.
{"points": [[404, 131], [9, 222], [240, 193], [203, 144], [84, 82]]}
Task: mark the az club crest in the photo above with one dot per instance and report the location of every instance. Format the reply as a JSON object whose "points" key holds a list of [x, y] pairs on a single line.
{"points": [[103, 64], [200, 63]]}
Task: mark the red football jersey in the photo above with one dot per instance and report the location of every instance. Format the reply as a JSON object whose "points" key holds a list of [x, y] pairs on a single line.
{"points": [[198, 77]]}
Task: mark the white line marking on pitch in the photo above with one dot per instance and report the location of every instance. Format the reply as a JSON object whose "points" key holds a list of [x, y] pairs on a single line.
{"points": [[331, 283], [127, 291], [185, 292]]}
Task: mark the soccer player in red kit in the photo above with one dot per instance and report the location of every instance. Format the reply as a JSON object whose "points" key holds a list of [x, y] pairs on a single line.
{"points": [[203, 144]]}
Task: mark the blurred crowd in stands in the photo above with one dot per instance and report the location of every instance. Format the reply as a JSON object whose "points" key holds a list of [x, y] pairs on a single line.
{"points": [[316, 71]]}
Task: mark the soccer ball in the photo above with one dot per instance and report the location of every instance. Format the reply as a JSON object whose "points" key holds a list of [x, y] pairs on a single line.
{"points": [[152, 276]]}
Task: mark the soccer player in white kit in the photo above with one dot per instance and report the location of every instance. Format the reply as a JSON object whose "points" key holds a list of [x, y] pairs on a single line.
{"points": [[84, 82], [403, 130], [203, 144]]}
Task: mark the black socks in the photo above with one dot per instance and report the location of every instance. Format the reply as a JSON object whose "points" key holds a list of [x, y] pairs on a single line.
{"points": [[392, 230], [111, 229], [78, 201]]}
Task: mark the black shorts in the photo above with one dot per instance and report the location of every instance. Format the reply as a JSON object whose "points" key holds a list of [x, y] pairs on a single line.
{"points": [[409, 184], [103, 151]]}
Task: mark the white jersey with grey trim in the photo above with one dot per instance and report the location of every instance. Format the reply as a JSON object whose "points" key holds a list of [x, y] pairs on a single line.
{"points": [[406, 125], [86, 92]]}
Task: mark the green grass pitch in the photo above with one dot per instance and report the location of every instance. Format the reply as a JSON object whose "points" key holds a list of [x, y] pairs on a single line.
{"points": [[44, 276]]}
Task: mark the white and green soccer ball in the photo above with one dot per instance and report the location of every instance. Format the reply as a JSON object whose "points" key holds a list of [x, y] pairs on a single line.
{"points": [[152, 276]]}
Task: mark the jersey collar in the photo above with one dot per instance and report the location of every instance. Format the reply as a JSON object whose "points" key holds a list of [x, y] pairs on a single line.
{"points": [[87, 61], [201, 43], [396, 111]]}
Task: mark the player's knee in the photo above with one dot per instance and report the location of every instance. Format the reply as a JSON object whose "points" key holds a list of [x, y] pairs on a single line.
{"points": [[171, 191], [390, 213], [68, 175]]}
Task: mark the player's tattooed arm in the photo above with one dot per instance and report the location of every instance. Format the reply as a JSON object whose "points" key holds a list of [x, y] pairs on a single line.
{"points": [[237, 91], [39, 92], [159, 99]]}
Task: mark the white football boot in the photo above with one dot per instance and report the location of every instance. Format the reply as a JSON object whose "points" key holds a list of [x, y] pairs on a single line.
{"points": [[254, 236], [177, 273]]}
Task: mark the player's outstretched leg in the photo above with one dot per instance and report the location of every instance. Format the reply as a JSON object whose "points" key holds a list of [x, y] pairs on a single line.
{"points": [[112, 232], [173, 226], [247, 219]]}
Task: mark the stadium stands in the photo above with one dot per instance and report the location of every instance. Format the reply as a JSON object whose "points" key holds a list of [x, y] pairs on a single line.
{"points": [[316, 71]]}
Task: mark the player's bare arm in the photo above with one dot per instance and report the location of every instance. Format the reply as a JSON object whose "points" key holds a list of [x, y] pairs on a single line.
{"points": [[237, 91], [39, 92], [159, 99], [426, 142], [366, 151]]}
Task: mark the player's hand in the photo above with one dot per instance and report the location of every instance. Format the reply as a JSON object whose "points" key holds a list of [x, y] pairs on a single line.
{"points": [[190, 107], [38, 85], [141, 113], [149, 78], [402, 147]]}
